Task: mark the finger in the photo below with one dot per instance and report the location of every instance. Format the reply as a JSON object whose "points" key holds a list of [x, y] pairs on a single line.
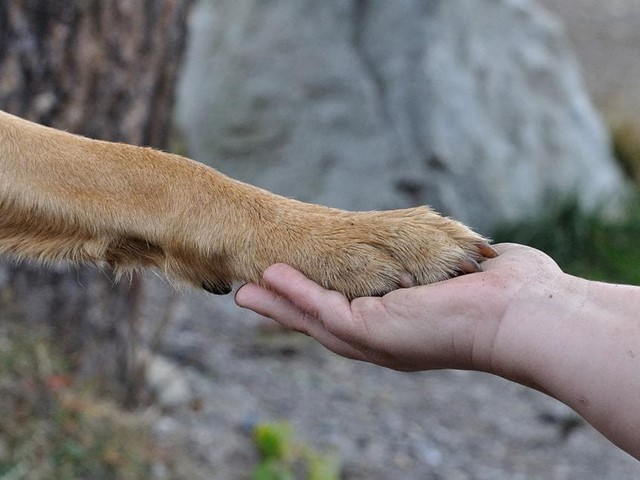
{"points": [[332, 309], [269, 304], [510, 248], [510, 251], [337, 345], [262, 301], [518, 259], [304, 293], [506, 246]]}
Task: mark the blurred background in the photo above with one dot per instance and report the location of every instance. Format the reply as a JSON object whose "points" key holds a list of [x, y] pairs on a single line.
{"points": [[517, 117]]}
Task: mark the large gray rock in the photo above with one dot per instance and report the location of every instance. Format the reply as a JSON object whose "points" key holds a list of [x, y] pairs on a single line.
{"points": [[475, 107]]}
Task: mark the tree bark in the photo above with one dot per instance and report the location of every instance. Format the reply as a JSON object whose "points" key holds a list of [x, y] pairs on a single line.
{"points": [[105, 69]]}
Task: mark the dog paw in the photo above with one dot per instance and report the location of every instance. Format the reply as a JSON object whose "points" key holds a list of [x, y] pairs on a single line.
{"points": [[372, 253]]}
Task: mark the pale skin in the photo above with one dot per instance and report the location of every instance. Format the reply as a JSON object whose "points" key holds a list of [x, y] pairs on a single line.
{"points": [[521, 318]]}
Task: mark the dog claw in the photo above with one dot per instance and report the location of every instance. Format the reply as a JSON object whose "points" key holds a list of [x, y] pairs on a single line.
{"points": [[407, 280], [486, 250], [470, 266], [217, 288]]}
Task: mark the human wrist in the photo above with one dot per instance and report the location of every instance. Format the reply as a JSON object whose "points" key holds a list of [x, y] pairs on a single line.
{"points": [[535, 328]]}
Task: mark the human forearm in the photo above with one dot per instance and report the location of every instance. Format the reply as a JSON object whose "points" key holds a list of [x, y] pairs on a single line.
{"points": [[578, 341]]}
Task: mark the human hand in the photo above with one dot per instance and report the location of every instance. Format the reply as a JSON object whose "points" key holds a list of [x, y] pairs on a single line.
{"points": [[521, 318], [451, 324]]}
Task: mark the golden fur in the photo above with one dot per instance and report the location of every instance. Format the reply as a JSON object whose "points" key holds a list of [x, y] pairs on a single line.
{"points": [[66, 197]]}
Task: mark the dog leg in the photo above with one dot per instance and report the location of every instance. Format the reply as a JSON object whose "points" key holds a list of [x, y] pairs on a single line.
{"points": [[68, 198]]}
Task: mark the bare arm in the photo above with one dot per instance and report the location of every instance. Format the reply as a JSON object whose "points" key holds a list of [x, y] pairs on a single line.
{"points": [[522, 318]]}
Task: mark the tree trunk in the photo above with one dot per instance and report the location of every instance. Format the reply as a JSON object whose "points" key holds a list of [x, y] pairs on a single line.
{"points": [[105, 69]]}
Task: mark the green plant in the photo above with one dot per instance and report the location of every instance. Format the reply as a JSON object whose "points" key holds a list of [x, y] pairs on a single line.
{"points": [[583, 243], [284, 459], [323, 466], [273, 440]]}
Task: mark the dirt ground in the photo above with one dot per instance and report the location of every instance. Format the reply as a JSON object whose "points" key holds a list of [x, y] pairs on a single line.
{"points": [[383, 424], [390, 425]]}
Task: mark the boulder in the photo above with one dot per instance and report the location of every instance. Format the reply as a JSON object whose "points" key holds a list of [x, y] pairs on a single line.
{"points": [[475, 107]]}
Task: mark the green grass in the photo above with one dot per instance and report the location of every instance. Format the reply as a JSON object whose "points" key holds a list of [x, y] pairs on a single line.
{"points": [[584, 244]]}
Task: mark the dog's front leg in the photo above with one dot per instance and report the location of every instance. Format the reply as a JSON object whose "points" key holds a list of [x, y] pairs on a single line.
{"points": [[65, 197], [68, 198]]}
